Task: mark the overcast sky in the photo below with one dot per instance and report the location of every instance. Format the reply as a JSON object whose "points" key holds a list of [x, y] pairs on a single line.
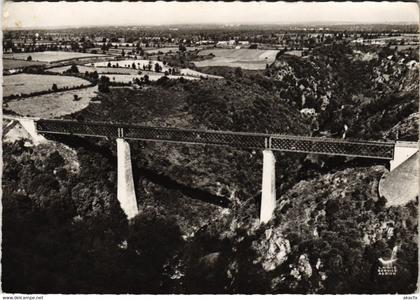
{"points": [[30, 14]]}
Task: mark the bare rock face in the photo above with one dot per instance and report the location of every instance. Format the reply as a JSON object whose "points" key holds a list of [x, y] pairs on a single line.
{"points": [[304, 266], [406, 129], [210, 260], [274, 249]]}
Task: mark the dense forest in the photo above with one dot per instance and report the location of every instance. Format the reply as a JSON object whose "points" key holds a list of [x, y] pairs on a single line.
{"points": [[197, 230]]}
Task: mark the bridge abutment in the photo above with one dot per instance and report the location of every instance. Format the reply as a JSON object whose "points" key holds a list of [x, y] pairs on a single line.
{"points": [[126, 193], [268, 195], [30, 126], [402, 152]]}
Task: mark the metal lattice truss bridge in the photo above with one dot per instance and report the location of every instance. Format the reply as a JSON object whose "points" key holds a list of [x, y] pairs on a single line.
{"points": [[245, 140]]}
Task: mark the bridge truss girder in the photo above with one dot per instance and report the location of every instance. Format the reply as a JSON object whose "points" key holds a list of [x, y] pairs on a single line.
{"points": [[244, 140]]}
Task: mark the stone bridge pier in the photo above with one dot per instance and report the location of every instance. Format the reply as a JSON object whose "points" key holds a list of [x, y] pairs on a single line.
{"points": [[268, 195], [127, 196], [125, 188]]}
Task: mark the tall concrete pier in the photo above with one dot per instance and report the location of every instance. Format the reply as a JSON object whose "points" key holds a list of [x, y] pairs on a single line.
{"points": [[268, 196], [125, 193]]}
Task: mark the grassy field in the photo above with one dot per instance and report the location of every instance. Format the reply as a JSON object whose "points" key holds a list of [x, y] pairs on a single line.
{"points": [[297, 53], [50, 56], [18, 64], [152, 77], [52, 105], [189, 72], [167, 49], [129, 62], [252, 59], [83, 69], [129, 71], [404, 47], [30, 83]]}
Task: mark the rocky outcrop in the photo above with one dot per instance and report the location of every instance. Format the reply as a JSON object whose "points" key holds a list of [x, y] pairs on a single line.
{"points": [[272, 249], [405, 130]]}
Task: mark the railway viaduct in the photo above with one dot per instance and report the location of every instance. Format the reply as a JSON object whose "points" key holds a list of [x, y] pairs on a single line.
{"points": [[395, 152]]}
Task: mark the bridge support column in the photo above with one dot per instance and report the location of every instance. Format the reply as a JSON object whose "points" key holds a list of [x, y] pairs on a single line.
{"points": [[402, 152], [125, 193], [268, 196]]}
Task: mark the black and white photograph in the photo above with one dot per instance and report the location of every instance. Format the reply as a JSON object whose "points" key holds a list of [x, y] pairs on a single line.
{"points": [[210, 148]]}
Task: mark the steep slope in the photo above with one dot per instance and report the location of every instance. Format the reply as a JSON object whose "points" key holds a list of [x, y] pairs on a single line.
{"points": [[327, 236], [369, 95]]}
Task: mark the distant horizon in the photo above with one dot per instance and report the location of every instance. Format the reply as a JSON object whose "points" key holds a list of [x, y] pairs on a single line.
{"points": [[330, 23], [63, 15]]}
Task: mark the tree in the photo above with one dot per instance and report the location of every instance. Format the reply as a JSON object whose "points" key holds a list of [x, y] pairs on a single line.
{"points": [[158, 68], [94, 75], [162, 81], [54, 87], [146, 79], [182, 48], [29, 58], [74, 69], [103, 84], [156, 239], [133, 65], [53, 161], [238, 72]]}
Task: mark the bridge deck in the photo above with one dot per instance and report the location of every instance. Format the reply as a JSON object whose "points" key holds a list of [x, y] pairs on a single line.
{"points": [[246, 140]]}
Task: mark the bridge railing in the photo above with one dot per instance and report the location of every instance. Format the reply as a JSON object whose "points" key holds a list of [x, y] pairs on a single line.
{"points": [[241, 140], [316, 145], [69, 127], [287, 143]]}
